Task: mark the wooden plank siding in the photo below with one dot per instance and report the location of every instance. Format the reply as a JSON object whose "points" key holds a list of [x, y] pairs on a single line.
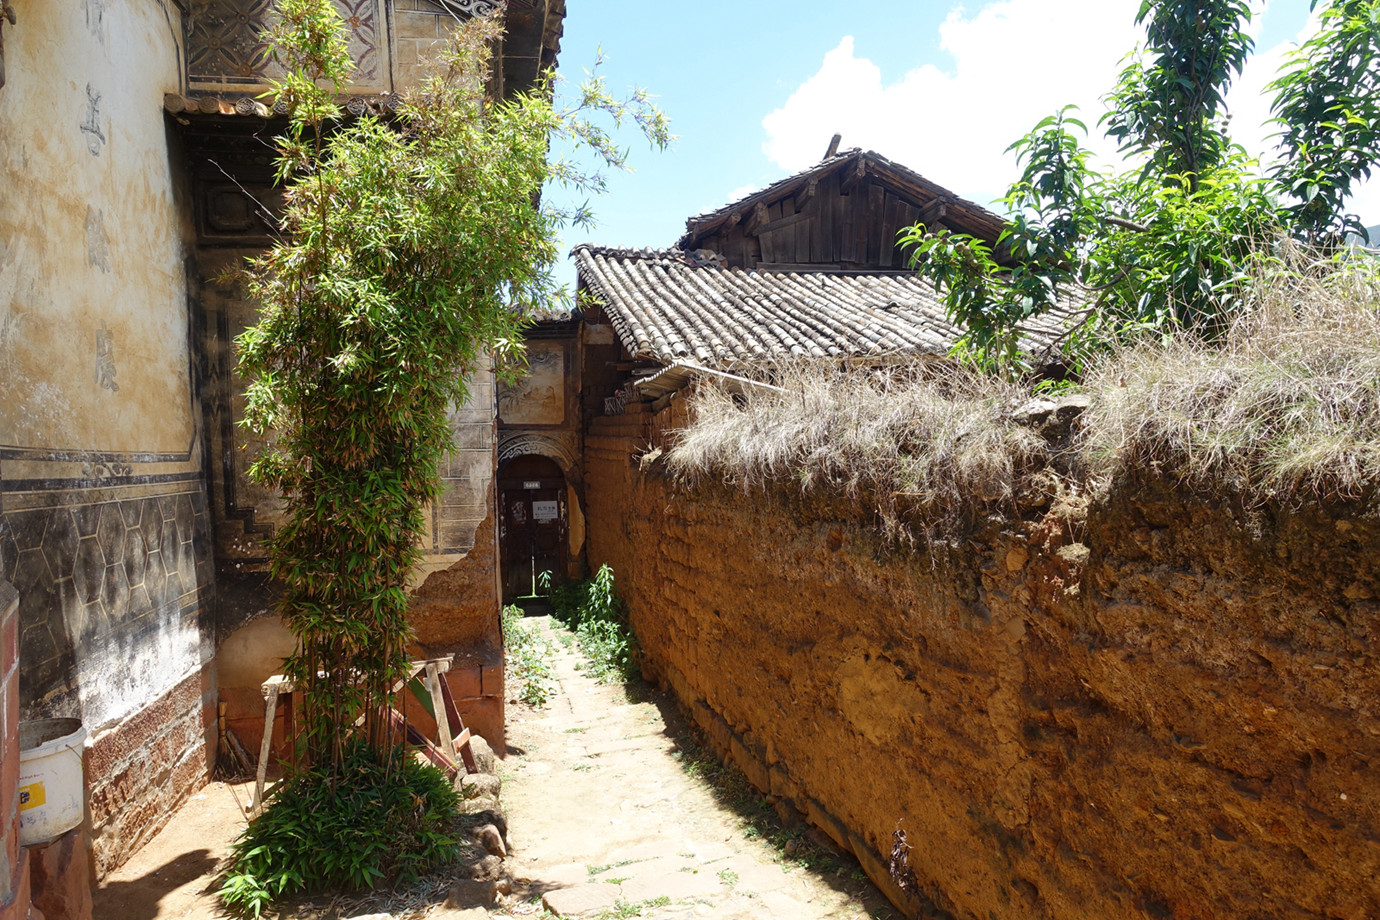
{"points": [[828, 229]]}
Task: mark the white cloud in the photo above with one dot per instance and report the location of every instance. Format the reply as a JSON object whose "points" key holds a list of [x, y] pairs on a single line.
{"points": [[1014, 62]]}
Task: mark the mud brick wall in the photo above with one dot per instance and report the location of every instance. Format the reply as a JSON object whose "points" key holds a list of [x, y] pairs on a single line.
{"points": [[1157, 705]]}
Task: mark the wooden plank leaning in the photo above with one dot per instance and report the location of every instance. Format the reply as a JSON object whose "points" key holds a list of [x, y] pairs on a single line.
{"points": [[270, 710]]}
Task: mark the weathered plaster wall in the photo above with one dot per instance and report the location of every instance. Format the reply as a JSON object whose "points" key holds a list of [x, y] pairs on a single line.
{"points": [[1158, 706], [103, 516], [456, 604]]}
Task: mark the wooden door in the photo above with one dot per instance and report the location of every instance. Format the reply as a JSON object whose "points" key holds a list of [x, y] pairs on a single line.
{"points": [[535, 524]]}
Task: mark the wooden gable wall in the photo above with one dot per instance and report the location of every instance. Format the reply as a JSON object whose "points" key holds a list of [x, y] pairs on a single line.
{"points": [[829, 223]]}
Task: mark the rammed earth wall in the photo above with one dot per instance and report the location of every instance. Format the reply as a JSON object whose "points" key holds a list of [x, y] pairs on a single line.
{"points": [[1155, 705]]}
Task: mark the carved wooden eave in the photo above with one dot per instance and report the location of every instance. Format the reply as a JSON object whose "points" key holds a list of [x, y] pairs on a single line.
{"points": [[227, 57]]}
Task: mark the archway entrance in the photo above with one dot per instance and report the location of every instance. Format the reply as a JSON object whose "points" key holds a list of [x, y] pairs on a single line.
{"points": [[535, 523]]}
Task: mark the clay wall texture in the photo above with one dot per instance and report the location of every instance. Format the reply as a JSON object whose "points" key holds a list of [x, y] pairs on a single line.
{"points": [[1159, 705], [104, 524]]}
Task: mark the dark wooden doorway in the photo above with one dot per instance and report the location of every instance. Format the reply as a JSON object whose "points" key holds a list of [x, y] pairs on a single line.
{"points": [[534, 528]]}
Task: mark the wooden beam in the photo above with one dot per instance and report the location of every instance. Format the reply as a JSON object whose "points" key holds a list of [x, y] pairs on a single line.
{"points": [[833, 146], [757, 220], [803, 196], [853, 173], [934, 212], [790, 220]]}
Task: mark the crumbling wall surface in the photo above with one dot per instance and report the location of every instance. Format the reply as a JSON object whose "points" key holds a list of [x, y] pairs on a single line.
{"points": [[1157, 705]]}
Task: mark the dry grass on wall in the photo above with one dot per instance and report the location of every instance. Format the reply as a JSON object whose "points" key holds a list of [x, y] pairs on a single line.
{"points": [[926, 439], [1286, 408]]}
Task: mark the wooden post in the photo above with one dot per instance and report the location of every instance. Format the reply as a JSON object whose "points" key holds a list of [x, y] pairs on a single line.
{"points": [[270, 710], [438, 706]]}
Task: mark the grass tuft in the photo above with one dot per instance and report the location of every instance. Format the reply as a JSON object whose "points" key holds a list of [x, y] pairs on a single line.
{"points": [[1285, 408], [926, 438]]}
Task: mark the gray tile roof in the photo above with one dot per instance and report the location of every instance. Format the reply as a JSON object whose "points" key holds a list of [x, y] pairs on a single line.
{"points": [[669, 306]]}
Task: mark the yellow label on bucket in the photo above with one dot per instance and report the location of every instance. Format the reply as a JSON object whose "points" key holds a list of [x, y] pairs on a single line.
{"points": [[31, 796]]}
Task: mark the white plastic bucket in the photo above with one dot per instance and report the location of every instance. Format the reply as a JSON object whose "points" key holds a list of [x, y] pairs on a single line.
{"points": [[51, 791]]}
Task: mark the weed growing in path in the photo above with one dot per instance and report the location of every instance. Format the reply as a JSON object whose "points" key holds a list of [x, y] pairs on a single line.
{"points": [[600, 623], [528, 654]]}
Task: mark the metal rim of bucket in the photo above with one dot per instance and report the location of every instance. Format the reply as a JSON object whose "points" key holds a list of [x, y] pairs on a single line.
{"points": [[73, 736]]}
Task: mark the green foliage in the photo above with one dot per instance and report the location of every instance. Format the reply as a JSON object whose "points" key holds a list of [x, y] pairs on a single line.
{"points": [[365, 824], [528, 659], [1328, 109], [411, 251], [1171, 246], [600, 621], [1168, 100]]}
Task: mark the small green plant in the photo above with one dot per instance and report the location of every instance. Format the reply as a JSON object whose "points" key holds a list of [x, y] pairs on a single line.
{"points": [[600, 621], [528, 657], [626, 910], [366, 825]]}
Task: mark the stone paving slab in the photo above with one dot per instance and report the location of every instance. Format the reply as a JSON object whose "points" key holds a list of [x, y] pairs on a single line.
{"points": [[581, 899], [602, 815]]}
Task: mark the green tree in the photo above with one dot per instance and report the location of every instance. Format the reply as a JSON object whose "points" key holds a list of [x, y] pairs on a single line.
{"points": [[1327, 105], [412, 249], [1172, 243]]}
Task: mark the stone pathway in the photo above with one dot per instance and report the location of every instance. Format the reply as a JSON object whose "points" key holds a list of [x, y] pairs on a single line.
{"points": [[604, 821]]}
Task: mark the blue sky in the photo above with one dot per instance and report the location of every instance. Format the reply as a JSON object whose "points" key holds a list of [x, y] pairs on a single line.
{"points": [[755, 89]]}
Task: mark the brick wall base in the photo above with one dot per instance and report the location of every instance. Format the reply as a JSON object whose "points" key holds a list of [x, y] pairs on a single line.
{"points": [[60, 877], [140, 772], [14, 866]]}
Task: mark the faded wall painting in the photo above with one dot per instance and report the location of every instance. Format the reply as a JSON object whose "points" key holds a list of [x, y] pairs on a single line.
{"points": [[539, 397]]}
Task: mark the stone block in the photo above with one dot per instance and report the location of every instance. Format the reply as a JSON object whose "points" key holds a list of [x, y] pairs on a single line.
{"points": [[410, 24], [750, 763], [488, 869], [581, 899], [473, 784], [490, 839], [673, 884], [60, 878], [471, 893], [483, 754]]}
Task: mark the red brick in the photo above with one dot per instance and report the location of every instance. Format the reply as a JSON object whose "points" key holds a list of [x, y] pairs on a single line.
{"points": [[9, 644], [9, 781], [465, 682], [12, 710], [484, 717], [133, 735], [18, 907], [493, 680], [60, 878]]}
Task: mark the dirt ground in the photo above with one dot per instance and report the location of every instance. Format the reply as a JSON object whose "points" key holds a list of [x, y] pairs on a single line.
{"points": [[174, 875], [608, 816]]}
